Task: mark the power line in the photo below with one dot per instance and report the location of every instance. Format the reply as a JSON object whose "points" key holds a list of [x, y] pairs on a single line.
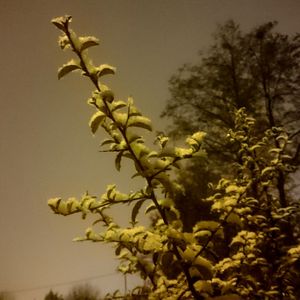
{"points": [[62, 283]]}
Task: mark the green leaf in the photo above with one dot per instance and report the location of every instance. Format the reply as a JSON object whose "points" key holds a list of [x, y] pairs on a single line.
{"points": [[118, 160], [133, 137], [118, 250], [136, 209], [203, 286], [234, 219], [107, 142], [87, 42], [60, 22], [162, 140], [204, 266], [167, 152], [96, 120], [152, 154], [105, 70], [58, 25], [128, 155], [70, 66], [117, 105], [267, 170], [134, 111], [139, 149], [120, 118], [139, 121], [54, 203], [150, 208], [107, 96], [110, 189], [63, 42]]}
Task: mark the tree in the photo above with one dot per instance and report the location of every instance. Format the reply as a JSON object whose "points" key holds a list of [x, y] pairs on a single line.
{"points": [[6, 295], [53, 296], [260, 71], [256, 263], [83, 292], [138, 293]]}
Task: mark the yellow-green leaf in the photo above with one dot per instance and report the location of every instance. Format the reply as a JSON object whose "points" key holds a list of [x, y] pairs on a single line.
{"points": [[118, 160], [87, 42], [139, 121], [105, 70], [60, 22], [96, 120], [70, 66], [136, 209]]}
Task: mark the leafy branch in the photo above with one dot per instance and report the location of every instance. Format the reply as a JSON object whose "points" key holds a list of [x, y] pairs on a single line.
{"points": [[117, 118]]}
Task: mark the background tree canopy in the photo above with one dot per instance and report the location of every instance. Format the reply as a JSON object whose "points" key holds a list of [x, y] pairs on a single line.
{"points": [[77, 292], [53, 296], [258, 70]]}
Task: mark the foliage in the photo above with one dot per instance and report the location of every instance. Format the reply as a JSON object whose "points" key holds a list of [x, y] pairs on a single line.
{"points": [[259, 260], [53, 296], [4, 295], [258, 70], [138, 293], [83, 292]]}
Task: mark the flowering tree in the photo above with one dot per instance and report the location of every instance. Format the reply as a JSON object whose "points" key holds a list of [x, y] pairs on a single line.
{"points": [[259, 260]]}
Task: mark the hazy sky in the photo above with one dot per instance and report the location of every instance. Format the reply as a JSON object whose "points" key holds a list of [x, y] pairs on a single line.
{"points": [[46, 148]]}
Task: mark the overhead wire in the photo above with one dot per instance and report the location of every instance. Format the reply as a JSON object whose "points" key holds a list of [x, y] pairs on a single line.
{"points": [[61, 283]]}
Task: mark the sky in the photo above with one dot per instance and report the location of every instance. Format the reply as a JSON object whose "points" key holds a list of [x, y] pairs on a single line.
{"points": [[46, 148]]}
